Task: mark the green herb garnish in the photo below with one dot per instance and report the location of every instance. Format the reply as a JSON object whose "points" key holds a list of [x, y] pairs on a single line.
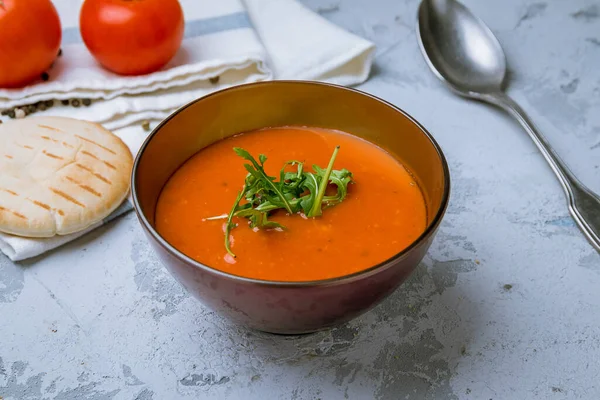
{"points": [[315, 210], [296, 191]]}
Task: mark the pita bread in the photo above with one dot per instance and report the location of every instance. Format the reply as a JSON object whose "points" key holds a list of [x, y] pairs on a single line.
{"points": [[59, 175]]}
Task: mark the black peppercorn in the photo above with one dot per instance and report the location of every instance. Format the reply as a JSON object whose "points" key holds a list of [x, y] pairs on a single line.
{"points": [[65, 102], [4, 112], [214, 80], [31, 108], [11, 113], [45, 76], [75, 102], [49, 103], [59, 52], [86, 102], [42, 106]]}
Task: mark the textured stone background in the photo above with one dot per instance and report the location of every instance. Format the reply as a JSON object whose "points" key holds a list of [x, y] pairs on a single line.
{"points": [[505, 306]]}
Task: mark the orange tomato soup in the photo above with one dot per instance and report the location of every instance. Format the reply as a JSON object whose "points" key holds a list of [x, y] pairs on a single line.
{"points": [[383, 213]]}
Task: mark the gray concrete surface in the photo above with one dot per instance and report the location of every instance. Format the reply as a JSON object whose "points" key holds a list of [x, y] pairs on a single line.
{"points": [[505, 306]]}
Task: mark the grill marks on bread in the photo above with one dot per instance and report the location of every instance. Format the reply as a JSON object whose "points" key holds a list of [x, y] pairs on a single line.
{"points": [[66, 196], [50, 128], [24, 146], [84, 186], [9, 191], [52, 155], [95, 157], [94, 174], [96, 144], [40, 204], [45, 137], [47, 207], [13, 212]]}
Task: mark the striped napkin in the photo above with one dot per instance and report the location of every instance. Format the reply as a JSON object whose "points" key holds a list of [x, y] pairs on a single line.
{"points": [[226, 43]]}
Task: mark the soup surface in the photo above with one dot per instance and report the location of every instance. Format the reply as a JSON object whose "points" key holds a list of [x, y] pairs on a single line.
{"points": [[383, 213]]}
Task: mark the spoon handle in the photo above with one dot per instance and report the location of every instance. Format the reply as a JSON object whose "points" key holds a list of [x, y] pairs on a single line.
{"points": [[584, 205]]}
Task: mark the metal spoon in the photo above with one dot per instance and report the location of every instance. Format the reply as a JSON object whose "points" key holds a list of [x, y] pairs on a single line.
{"points": [[462, 51]]}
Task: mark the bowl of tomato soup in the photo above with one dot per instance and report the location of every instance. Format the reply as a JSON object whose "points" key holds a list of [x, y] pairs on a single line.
{"points": [[289, 206]]}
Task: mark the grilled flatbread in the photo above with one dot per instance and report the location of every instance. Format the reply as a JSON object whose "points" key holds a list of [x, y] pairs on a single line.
{"points": [[59, 175]]}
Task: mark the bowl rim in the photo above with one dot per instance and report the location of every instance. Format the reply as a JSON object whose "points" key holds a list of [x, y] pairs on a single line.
{"points": [[173, 251]]}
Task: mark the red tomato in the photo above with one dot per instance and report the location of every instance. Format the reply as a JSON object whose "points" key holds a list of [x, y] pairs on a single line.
{"points": [[132, 37], [30, 35]]}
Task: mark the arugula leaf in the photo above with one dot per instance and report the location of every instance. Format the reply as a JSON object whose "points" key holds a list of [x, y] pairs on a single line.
{"points": [[316, 210], [230, 224], [258, 172], [291, 180], [341, 179], [311, 184], [259, 219]]}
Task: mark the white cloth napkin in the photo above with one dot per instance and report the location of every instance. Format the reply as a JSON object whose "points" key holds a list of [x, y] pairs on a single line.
{"points": [[238, 41]]}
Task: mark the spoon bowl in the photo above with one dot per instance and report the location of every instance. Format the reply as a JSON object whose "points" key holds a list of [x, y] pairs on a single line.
{"points": [[460, 48]]}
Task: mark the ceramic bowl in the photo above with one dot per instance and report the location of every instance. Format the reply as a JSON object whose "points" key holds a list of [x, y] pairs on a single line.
{"points": [[289, 307]]}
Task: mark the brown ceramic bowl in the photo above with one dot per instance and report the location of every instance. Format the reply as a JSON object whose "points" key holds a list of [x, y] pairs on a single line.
{"points": [[289, 307]]}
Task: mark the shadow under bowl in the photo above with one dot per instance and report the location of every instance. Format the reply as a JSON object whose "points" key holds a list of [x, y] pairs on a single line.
{"points": [[289, 307]]}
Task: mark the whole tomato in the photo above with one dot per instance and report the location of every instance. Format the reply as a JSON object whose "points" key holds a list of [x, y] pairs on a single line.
{"points": [[30, 35], [132, 37]]}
